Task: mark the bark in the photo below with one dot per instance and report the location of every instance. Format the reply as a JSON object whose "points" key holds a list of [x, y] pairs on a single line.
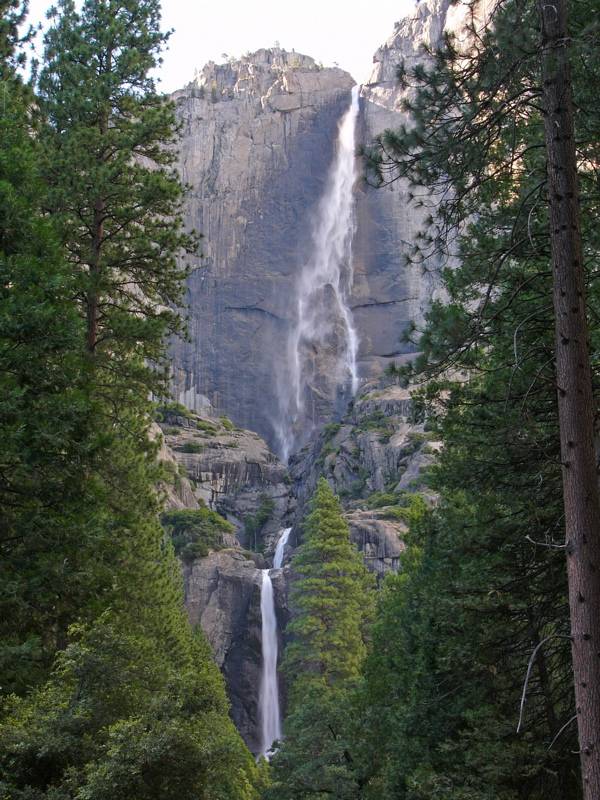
{"points": [[574, 385], [95, 268]]}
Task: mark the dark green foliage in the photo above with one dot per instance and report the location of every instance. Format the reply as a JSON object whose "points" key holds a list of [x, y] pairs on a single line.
{"points": [[12, 17], [254, 523], [206, 427], [191, 447], [331, 429], [332, 599], [106, 692], [44, 409], [113, 188], [381, 499], [168, 412], [484, 583], [195, 531]]}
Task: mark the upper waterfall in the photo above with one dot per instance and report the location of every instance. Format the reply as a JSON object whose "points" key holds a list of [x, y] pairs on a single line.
{"points": [[323, 319]]}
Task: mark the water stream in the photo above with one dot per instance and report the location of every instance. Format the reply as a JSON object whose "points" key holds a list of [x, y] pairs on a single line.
{"points": [[268, 698], [323, 324]]}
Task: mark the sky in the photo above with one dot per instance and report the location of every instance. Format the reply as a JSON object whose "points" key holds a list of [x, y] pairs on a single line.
{"points": [[328, 30]]}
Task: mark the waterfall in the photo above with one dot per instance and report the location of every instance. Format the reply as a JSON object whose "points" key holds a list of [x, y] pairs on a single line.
{"points": [[323, 314], [269, 690], [270, 718], [280, 549]]}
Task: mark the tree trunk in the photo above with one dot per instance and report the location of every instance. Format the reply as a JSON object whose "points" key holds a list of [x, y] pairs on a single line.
{"points": [[574, 384], [93, 295]]}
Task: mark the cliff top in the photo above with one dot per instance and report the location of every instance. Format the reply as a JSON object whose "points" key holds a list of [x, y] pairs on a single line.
{"points": [[255, 74]]}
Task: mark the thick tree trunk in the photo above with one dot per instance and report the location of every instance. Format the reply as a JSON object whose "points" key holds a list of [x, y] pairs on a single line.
{"points": [[574, 381]]}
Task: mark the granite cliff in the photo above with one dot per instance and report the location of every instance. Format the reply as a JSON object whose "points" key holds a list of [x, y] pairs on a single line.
{"points": [[258, 137]]}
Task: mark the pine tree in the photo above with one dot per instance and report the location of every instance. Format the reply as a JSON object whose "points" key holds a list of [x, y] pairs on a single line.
{"points": [[477, 143], [107, 692], [43, 411], [332, 600], [109, 164]]}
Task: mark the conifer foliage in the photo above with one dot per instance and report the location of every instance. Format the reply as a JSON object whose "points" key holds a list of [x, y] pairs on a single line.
{"points": [[332, 600], [485, 708], [106, 691], [109, 165]]}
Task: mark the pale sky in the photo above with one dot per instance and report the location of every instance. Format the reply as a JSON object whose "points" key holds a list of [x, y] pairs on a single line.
{"points": [[328, 30]]}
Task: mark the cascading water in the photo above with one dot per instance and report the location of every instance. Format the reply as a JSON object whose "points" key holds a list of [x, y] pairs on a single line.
{"points": [[269, 691], [280, 549], [270, 717], [323, 314]]}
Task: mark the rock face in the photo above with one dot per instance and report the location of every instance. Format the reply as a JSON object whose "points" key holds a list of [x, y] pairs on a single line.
{"points": [[257, 138], [210, 462], [389, 292], [222, 595], [229, 469], [374, 459]]}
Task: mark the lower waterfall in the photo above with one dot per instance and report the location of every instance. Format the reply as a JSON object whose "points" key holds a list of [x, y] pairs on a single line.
{"points": [[268, 699]]}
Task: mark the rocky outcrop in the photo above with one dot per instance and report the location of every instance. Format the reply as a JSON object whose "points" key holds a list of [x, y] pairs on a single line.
{"points": [[208, 461], [229, 469], [374, 459]]}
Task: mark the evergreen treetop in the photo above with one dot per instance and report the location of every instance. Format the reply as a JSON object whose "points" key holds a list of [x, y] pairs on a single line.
{"points": [[109, 160], [331, 597]]}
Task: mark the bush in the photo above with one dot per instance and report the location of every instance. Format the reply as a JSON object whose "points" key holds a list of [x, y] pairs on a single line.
{"points": [[227, 423], [254, 523], [191, 447], [381, 499], [165, 412], [195, 531], [206, 427], [330, 430]]}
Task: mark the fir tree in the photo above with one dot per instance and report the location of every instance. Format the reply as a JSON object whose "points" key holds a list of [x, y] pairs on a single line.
{"points": [[109, 163], [332, 599]]}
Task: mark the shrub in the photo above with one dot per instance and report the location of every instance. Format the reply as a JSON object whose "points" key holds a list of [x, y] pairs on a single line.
{"points": [[195, 531], [167, 411], [206, 427], [254, 523], [191, 447]]}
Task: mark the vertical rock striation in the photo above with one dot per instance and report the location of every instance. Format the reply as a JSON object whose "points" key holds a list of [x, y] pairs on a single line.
{"points": [[257, 140]]}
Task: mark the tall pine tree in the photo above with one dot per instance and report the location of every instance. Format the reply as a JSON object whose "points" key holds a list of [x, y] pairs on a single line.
{"points": [[107, 692], [476, 142], [109, 163], [332, 601]]}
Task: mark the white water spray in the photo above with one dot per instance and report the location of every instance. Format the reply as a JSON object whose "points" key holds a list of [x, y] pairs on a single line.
{"points": [[268, 698], [270, 721], [280, 549], [323, 314]]}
